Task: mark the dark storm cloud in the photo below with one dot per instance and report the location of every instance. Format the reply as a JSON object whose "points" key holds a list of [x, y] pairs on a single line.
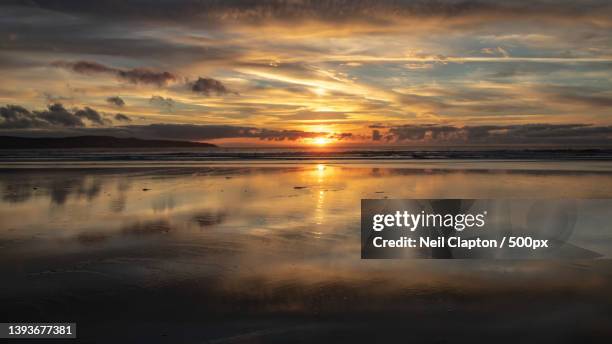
{"points": [[56, 115], [502, 134], [122, 118], [207, 86], [135, 76], [118, 101]]}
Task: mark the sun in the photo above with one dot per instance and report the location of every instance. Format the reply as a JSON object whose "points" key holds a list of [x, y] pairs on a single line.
{"points": [[321, 141]]}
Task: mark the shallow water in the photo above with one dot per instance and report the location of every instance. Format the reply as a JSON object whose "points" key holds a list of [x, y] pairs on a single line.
{"points": [[270, 251]]}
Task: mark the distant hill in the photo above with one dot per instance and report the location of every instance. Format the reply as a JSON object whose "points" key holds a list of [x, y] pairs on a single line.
{"points": [[11, 142]]}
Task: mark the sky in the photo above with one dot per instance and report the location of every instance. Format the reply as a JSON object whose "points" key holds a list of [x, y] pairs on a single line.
{"points": [[314, 73]]}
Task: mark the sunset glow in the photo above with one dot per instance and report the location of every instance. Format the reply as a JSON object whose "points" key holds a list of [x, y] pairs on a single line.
{"points": [[306, 171], [269, 73], [321, 141]]}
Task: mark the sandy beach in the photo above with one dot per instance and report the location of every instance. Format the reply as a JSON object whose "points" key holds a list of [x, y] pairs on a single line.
{"points": [[269, 252]]}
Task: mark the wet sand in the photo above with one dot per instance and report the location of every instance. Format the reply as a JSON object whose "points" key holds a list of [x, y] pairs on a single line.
{"points": [[269, 252]]}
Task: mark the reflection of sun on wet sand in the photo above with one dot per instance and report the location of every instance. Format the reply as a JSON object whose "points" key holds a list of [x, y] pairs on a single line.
{"points": [[272, 251]]}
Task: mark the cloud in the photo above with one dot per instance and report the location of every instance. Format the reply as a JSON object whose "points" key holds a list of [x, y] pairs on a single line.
{"points": [[586, 96], [122, 118], [595, 101], [117, 101], [134, 76], [210, 132], [577, 133], [343, 136], [59, 120], [306, 115], [376, 136], [55, 116], [334, 63], [18, 117], [53, 98], [85, 67], [146, 76], [159, 101], [378, 126], [185, 132], [495, 51], [207, 86], [89, 114], [425, 134], [420, 132], [332, 11], [282, 135]]}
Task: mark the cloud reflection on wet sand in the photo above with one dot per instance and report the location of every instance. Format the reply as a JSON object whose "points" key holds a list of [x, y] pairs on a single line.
{"points": [[253, 243]]}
